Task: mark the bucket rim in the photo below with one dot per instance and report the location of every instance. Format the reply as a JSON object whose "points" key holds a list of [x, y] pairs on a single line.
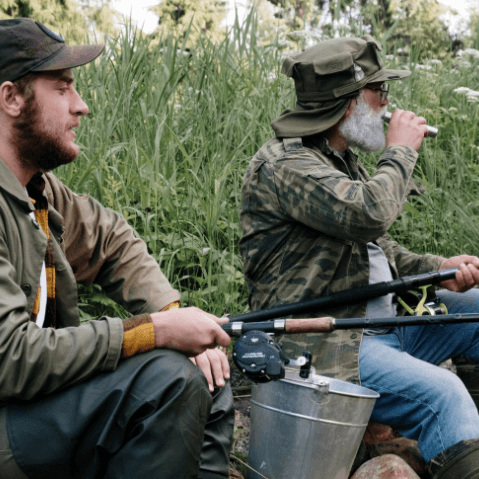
{"points": [[318, 380]]}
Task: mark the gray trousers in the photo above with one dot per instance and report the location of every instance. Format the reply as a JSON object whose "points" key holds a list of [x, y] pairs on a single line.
{"points": [[152, 417]]}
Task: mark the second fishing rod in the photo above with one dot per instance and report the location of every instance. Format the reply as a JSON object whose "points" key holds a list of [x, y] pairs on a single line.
{"points": [[349, 297]]}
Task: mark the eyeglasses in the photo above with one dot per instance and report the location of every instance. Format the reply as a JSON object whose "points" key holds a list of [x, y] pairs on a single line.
{"points": [[384, 89]]}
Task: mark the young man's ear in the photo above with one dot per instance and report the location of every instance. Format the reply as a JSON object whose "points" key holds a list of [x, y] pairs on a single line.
{"points": [[11, 100]]}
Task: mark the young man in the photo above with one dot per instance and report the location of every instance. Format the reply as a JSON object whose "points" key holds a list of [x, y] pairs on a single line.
{"points": [[314, 222], [107, 398]]}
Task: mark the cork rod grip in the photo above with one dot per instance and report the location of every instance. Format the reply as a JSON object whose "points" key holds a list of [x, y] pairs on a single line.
{"points": [[309, 325]]}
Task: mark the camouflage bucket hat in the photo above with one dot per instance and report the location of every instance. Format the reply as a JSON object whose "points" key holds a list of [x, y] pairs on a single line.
{"points": [[28, 46], [326, 77]]}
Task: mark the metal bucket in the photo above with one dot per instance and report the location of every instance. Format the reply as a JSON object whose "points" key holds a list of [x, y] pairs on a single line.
{"points": [[307, 428]]}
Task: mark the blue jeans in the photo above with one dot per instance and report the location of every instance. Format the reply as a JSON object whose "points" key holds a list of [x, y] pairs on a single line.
{"points": [[419, 399]]}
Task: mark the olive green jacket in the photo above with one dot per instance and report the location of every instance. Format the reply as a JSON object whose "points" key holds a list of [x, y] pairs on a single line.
{"points": [[307, 215], [92, 244]]}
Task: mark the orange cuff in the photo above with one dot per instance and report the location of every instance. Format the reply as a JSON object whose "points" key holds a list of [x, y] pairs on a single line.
{"points": [[174, 305], [138, 335]]}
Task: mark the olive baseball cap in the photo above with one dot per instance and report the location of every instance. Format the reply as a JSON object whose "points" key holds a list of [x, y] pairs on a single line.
{"points": [[28, 46], [338, 67]]}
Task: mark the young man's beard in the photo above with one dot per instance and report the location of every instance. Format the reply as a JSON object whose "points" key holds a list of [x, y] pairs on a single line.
{"points": [[38, 146], [364, 127]]}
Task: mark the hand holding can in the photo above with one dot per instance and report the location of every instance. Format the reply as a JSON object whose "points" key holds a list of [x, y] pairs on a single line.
{"points": [[431, 130]]}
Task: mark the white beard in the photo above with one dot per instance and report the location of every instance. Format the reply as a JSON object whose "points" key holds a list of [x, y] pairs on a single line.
{"points": [[363, 128]]}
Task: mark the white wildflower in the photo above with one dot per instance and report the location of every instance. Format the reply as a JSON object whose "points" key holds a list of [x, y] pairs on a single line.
{"points": [[390, 57], [470, 51], [464, 64], [272, 76], [423, 67], [462, 90], [434, 61], [177, 106], [452, 108], [289, 53], [473, 99]]}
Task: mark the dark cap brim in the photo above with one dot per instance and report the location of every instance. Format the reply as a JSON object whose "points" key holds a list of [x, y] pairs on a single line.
{"points": [[388, 75], [70, 57]]}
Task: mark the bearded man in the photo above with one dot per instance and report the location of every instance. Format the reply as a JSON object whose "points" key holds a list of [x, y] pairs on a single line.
{"points": [[314, 222], [110, 398]]}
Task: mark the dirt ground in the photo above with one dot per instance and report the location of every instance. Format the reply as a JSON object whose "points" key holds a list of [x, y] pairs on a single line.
{"points": [[241, 393]]}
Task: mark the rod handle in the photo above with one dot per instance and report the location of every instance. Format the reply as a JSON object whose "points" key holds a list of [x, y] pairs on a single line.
{"points": [[309, 325]]}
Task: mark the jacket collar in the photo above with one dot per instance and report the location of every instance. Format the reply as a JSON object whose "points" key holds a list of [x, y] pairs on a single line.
{"points": [[323, 144], [9, 184]]}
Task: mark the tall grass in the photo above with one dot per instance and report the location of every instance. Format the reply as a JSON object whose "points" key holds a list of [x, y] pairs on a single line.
{"points": [[171, 133]]}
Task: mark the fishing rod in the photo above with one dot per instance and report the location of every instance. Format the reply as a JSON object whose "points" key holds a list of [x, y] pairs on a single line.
{"points": [[348, 296], [260, 358], [328, 324]]}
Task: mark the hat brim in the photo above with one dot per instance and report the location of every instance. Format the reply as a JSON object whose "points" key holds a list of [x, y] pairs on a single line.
{"points": [[71, 57], [388, 75]]}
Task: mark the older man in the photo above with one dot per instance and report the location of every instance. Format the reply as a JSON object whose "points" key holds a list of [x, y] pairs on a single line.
{"points": [[314, 222], [107, 398]]}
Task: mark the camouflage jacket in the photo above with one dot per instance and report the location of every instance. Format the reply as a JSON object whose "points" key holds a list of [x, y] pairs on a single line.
{"points": [[307, 215]]}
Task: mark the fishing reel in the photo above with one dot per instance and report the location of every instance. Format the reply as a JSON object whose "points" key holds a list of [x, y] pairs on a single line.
{"points": [[425, 301], [261, 359]]}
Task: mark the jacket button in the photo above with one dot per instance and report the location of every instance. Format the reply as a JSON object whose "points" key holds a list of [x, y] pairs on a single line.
{"points": [[354, 336], [26, 288]]}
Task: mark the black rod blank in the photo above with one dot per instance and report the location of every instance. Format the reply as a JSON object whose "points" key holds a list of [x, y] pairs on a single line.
{"points": [[349, 296]]}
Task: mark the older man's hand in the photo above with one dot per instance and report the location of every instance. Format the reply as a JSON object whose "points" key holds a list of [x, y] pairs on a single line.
{"points": [[406, 129], [468, 275]]}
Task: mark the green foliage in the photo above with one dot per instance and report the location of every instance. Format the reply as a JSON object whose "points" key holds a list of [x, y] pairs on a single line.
{"points": [[409, 23], [75, 21], [166, 145], [63, 16], [189, 19], [419, 25], [172, 132], [93, 304]]}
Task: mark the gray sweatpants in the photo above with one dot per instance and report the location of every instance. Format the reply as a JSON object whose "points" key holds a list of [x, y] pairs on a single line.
{"points": [[152, 417]]}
